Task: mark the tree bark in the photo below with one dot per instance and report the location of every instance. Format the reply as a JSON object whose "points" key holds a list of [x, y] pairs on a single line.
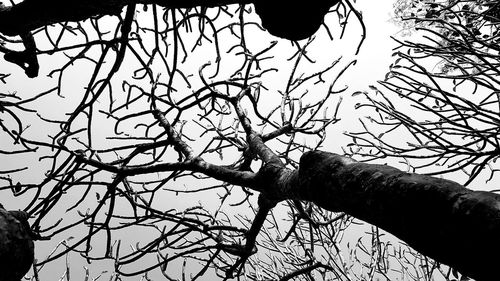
{"points": [[437, 217], [16, 245]]}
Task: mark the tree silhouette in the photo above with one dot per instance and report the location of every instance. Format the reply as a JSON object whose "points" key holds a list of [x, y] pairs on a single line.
{"points": [[160, 118]]}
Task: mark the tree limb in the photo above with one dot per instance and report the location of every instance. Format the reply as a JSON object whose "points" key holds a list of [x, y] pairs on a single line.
{"points": [[437, 217]]}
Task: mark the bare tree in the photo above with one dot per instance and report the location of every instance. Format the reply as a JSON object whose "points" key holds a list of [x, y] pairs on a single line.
{"points": [[160, 118], [442, 91]]}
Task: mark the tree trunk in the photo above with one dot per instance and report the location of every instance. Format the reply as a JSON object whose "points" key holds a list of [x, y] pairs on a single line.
{"points": [[16, 245], [437, 217]]}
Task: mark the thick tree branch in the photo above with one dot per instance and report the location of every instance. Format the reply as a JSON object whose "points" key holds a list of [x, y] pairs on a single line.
{"points": [[16, 245], [26, 59], [437, 217], [305, 270], [244, 251], [180, 146], [32, 14]]}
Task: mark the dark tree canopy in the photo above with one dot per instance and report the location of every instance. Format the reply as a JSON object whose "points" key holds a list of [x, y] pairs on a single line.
{"points": [[155, 123], [293, 22]]}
